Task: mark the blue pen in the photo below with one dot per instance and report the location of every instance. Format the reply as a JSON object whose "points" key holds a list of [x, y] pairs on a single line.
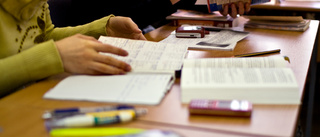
{"points": [[73, 111]]}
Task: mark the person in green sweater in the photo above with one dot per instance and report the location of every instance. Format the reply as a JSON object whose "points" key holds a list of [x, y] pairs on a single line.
{"points": [[32, 48]]}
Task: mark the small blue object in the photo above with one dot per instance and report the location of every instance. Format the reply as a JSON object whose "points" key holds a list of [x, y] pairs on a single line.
{"points": [[217, 7]]}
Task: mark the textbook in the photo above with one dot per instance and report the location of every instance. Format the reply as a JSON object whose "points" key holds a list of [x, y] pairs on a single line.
{"points": [[153, 73], [191, 17], [260, 80], [290, 23]]}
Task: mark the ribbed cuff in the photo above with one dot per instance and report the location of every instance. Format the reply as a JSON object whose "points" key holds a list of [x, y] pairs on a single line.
{"points": [[42, 61]]}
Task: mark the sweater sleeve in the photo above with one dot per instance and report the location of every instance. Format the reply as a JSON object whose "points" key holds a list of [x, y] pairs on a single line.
{"points": [[94, 29], [36, 63]]}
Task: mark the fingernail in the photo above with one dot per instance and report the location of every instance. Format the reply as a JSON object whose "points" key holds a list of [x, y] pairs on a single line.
{"points": [[122, 73], [128, 68]]}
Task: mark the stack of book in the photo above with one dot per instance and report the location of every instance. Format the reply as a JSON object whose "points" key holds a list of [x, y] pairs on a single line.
{"points": [[291, 23], [190, 17]]}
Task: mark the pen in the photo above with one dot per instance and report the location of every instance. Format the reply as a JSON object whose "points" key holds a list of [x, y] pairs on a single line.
{"points": [[95, 118], [72, 111], [258, 53], [90, 132]]}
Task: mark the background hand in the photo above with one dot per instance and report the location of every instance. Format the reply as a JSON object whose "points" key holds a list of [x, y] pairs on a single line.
{"points": [[124, 27], [80, 54], [233, 9]]}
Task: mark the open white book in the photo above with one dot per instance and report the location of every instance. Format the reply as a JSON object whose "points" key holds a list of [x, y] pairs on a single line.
{"points": [[260, 80], [154, 65]]}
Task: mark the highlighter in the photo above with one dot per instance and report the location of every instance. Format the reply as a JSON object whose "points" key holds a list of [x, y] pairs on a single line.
{"points": [[90, 132]]}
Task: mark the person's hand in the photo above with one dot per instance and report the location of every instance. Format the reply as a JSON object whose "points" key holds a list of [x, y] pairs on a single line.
{"points": [[233, 9], [174, 1], [124, 27], [80, 55]]}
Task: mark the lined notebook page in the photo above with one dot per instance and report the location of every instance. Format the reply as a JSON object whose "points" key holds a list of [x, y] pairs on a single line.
{"points": [[146, 89], [149, 56]]}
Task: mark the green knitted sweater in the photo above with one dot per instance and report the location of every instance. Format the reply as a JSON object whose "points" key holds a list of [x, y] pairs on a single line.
{"points": [[27, 49]]}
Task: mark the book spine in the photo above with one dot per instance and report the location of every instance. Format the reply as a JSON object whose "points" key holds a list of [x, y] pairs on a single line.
{"points": [[226, 24], [216, 5]]}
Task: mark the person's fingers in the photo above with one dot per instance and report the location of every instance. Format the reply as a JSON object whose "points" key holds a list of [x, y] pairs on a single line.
{"points": [[233, 10], [241, 8], [247, 7], [100, 68], [225, 10], [91, 40], [137, 33], [99, 47], [112, 62], [133, 27], [124, 27], [140, 37]]}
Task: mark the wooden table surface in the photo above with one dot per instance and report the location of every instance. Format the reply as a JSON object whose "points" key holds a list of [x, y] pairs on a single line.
{"points": [[21, 111]]}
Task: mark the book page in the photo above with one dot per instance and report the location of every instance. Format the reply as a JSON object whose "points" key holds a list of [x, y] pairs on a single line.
{"points": [[132, 89], [234, 71], [147, 55], [247, 62], [235, 77]]}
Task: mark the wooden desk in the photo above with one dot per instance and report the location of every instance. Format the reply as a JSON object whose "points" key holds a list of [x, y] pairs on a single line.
{"points": [[21, 111], [308, 10]]}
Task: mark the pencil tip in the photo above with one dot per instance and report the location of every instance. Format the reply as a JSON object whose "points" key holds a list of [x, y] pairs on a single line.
{"points": [[287, 58]]}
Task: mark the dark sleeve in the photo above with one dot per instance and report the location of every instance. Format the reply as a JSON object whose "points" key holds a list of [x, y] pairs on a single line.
{"points": [[142, 12], [151, 11]]}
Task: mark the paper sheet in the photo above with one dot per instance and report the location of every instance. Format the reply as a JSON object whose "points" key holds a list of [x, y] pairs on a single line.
{"points": [[223, 40]]}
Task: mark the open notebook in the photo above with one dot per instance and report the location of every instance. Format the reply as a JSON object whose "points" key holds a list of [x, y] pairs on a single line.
{"points": [[152, 75]]}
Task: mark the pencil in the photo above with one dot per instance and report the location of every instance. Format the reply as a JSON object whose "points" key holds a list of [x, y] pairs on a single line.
{"points": [[258, 53]]}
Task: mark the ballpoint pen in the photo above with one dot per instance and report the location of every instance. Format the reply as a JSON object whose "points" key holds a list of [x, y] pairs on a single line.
{"points": [[63, 112]]}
